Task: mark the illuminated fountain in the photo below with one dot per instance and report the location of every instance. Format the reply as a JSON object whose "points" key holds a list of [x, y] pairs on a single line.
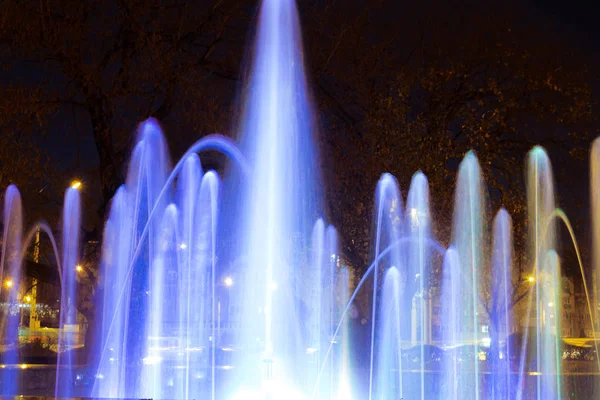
{"points": [[14, 247], [169, 285], [280, 203], [542, 236]]}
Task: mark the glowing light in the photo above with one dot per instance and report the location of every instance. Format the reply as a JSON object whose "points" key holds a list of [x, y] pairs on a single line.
{"points": [[414, 216], [228, 281], [344, 392], [23, 366], [76, 184], [531, 279], [551, 304], [27, 299], [152, 360], [78, 268], [311, 350], [183, 246], [8, 283]]}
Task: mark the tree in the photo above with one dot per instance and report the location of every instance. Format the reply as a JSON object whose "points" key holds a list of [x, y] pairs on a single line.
{"points": [[468, 78], [115, 63]]}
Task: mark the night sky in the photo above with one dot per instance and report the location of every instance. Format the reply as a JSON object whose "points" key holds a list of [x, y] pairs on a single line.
{"points": [[70, 144]]}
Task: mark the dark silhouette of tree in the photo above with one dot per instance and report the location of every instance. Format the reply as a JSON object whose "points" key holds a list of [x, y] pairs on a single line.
{"points": [[118, 62], [418, 94]]}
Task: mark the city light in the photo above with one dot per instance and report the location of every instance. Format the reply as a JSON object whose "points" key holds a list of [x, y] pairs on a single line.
{"points": [[27, 299], [531, 279], [78, 268], [228, 281], [76, 184], [8, 283]]}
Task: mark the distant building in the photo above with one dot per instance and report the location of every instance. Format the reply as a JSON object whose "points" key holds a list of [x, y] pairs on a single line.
{"points": [[573, 311], [569, 325]]}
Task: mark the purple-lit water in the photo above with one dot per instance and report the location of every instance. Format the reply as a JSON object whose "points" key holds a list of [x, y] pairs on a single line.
{"points": [[68, 308], [13, 282], [236, 289], [501, 294], [10, 273], [280, 202]]}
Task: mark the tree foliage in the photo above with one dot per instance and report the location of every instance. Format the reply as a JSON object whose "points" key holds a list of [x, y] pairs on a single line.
{"points": [[117, 62], [480, 80]]}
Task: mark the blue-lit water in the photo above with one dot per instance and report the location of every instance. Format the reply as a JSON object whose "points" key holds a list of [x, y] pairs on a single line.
{"points": [[10, 274], [237, 289]]}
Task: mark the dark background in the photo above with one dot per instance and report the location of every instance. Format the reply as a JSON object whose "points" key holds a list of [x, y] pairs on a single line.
{"points": [[185, 64]]}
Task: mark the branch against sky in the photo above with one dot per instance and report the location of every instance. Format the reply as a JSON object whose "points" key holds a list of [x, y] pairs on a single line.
{"points": [[116, 63], [417, 95]]}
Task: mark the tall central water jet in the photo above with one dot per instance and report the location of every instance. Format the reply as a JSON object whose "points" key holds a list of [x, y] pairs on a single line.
{"points": [[281, 197]]}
